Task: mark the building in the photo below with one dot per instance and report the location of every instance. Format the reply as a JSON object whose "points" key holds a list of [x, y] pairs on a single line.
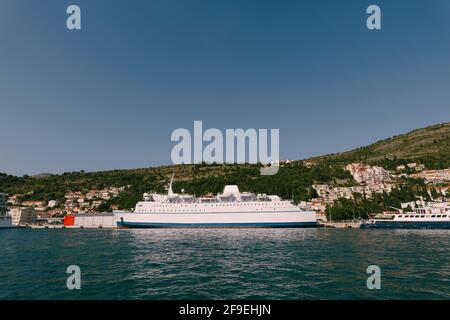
{"points": [[367, 174], [330, 193], [91, 220], [443, 190], [416, 166], [97, 203], [433, 176], [319, 204], [33, 203], [55, 212], [52, 203], [23, 215], [14, 199]]}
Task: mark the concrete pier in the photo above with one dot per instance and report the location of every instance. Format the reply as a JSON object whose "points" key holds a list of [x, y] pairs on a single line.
{"points": [[341, 224]]}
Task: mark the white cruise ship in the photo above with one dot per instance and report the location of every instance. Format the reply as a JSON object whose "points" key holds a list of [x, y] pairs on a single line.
{"points": [[229, 209], [5, 218], [431, 215]]}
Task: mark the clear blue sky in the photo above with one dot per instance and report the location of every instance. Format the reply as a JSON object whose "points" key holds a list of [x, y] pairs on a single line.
{"points": [[110, 95]]}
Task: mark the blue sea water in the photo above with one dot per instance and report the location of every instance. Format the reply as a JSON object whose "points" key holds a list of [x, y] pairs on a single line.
{"points": [[224, 263]]}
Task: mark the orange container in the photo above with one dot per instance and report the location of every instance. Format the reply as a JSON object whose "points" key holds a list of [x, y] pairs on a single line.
{"points": [[69, 220]]}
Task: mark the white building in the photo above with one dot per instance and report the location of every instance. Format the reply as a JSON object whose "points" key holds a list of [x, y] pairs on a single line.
{"points": [[433, 176], [367, 174], [330, 193], [95, 220], [23, 215], [52, 203]]}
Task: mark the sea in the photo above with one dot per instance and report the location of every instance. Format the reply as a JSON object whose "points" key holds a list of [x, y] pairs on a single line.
{"points": [[224, 264]]}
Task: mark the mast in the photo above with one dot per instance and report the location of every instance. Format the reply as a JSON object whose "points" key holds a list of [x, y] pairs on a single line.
{"points": [[170, 193]]}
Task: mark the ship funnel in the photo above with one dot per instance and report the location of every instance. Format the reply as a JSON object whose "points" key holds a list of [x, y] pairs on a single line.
{"points": [[231, 189]]}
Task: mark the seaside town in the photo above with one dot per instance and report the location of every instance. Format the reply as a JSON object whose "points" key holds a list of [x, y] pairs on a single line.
{"points": [[370, 180], [32, 211], [375, 179]]}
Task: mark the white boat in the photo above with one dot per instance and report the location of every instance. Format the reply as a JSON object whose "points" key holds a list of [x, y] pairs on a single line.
{"points": [[431, 215], [229, 209], [5, 218]]}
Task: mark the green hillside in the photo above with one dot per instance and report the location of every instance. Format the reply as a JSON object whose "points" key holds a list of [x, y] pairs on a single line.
{"points": [[292, 181], [430, 146]]}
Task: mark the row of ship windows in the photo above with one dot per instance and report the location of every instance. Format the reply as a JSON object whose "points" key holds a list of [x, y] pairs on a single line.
{"points": [[168, 210], [214, 204], [423, 216], [423, 211], [5, 218]]}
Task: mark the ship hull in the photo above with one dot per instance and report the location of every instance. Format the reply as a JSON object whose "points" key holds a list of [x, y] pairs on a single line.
{"points": [[150, 225], [5, 223], [217, 220], [406, 225], [5, 226]]}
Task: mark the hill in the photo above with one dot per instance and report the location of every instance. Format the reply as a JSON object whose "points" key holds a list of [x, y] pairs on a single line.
{"points": [[430, 146], [292, 181]]}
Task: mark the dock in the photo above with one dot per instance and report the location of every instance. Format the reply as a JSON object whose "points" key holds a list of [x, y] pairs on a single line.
{"points": [[341, 224], [67, 227]]}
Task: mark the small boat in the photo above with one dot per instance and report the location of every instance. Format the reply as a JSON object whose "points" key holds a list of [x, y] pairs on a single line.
{"points": [[432, 215]]}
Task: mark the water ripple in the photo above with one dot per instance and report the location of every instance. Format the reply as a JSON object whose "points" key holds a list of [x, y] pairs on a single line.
{"points": [[225, 264]]}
